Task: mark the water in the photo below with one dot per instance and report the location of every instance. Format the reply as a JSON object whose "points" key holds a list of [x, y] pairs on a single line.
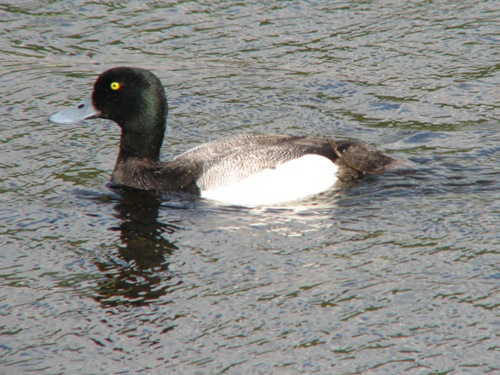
{"points": [[398, 274]]}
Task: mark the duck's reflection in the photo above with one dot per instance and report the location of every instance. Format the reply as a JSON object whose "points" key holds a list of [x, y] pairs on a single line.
{"points": [[137, 273]]}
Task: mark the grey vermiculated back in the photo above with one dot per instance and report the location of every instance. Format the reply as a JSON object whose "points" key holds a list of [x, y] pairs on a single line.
{"points": [[232, 159]]}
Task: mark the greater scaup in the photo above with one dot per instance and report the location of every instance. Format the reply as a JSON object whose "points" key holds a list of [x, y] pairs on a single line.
{"points": [[250, 169]]}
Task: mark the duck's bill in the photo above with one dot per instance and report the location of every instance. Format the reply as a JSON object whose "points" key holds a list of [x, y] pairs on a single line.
{"points": [[84, 110]]}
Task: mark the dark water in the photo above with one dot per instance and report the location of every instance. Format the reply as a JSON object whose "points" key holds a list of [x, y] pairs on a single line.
{"points": [[398, 274]]}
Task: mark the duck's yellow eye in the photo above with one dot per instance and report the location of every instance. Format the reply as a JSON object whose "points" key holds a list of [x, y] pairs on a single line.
{"points": [[115, 86]]}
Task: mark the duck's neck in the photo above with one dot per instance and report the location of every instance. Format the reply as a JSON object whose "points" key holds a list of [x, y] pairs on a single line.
{"points": [[140, 145], [143, 125], [139, 156]]}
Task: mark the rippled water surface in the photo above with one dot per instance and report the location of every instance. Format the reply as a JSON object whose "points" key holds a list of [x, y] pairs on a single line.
{"points": [[397, 274]]}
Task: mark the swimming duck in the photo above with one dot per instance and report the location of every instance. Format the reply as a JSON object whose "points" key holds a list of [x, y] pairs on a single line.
{"points": [[248, 169]]}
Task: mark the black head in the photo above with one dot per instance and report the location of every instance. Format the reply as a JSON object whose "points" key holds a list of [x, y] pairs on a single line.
{"points": [[126, 95], [134, 98]]}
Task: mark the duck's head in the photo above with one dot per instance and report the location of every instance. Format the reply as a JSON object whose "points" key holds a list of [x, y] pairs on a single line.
{"points": [[134, 98]]}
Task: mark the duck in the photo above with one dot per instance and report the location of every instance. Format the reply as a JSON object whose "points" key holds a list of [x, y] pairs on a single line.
{"points": [[246, 169]]}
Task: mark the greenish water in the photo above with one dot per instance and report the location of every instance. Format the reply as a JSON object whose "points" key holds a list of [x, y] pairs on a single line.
{"points": [[398, 274]]}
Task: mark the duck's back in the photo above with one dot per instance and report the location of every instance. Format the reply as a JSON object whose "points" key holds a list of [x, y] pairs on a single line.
{"points": [[232, 159]]}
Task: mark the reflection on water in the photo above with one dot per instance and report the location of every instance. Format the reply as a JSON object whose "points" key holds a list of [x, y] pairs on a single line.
{"points": [[137, 274]]}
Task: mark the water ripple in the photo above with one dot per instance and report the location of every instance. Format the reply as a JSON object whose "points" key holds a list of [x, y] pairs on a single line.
{"points": [[395, 274]]}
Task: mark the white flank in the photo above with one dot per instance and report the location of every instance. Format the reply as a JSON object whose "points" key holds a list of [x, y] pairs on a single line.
{"points": [[295, 179]]}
